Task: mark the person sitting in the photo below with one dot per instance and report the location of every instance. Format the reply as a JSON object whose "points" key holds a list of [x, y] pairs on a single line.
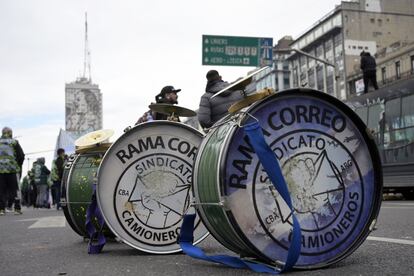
{"points": [[168, 95]]}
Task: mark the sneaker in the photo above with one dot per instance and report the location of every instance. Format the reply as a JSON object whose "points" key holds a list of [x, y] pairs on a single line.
{"points": [[9, 210], [2, 213], [18, 212]]}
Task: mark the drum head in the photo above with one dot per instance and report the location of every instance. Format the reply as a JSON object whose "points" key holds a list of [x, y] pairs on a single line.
{"points": [[145, 183], [332, 169]]}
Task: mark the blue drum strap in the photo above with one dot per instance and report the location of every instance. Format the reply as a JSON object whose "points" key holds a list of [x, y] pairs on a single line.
{"points": [[271, 165], [94, 212], [269, 162]]}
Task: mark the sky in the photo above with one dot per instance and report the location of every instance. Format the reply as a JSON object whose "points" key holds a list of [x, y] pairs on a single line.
{"points": [[137, 47]]}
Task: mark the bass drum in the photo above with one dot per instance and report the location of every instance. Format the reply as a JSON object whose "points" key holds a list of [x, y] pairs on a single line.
{"points": [[331, 166], [144, 185], [79, 175]]}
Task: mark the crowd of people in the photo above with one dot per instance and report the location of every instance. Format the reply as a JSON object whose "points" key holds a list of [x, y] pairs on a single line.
{"points": [[39, 188]]}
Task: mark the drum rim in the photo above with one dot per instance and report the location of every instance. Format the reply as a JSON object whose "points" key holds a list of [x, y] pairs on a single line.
{"points": [[66, 209], [98, 194], [68, 204], [199, 209], [372, 149], [91, 153]]}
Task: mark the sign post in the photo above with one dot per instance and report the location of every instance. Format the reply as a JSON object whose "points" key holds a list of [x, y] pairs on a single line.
{"points": [[237, 51]]}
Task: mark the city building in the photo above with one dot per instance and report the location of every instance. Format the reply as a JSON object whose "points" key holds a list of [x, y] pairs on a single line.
{"points": [[327, 56], [281, 64], [83, 100]]}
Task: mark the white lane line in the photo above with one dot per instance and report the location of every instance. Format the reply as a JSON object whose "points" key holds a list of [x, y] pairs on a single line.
{"points": [[49, 222], [31, 219], [400, 204], [397, 207], [399, 241]]}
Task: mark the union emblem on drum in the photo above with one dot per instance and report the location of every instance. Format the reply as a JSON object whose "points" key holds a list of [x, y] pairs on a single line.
{"points": [[152, 205], [320, 172]]}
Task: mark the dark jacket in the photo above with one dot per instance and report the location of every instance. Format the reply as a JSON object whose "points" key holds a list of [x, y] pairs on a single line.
{"points": [[368, 63], [212, 110], [60, 162], [161, 116], [40, 172]]}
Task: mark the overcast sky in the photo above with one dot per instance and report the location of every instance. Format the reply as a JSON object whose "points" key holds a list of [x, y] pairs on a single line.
{"points": [[137, 47]]}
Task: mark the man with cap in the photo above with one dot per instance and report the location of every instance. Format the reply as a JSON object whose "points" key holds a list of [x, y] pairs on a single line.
{"points": [[213, 109], [168, 95], [11, 161]]}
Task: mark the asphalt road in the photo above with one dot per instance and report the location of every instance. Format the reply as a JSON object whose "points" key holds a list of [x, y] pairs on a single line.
{"points": [[40, 242]]}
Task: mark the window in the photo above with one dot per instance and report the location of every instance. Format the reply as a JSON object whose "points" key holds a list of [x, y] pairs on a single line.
{"points": [[374, 114], [295, 77], [311, 78], [384, 74], [407, 111], [379, 22], [319, 78], [412, 64], [398, 70]]}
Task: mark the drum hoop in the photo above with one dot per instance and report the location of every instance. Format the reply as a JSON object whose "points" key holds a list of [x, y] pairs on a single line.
{"points": [[68, 203], [198, 206], [65, 182], [372, 149], [94, 148], [118, 141]]}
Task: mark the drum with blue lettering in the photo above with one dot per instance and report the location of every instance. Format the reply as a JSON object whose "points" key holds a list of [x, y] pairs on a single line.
{"points": [[145, 181], [331, 166], [79, 175]]}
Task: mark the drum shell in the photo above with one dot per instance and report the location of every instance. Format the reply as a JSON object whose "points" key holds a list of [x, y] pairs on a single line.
{"points": [[126, 194], [79, 176], [212, 174]]}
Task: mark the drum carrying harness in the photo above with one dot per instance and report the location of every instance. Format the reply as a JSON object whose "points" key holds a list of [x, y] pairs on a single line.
{"points": [[269, 162]]}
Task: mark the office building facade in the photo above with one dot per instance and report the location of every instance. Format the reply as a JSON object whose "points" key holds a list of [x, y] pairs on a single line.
{"points": [[335, 42]]}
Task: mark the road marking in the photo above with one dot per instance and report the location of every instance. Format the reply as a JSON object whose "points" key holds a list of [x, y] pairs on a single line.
{"points": [[397, 207], [31, 219], [49, 222], [400, 241], [399, 204]]}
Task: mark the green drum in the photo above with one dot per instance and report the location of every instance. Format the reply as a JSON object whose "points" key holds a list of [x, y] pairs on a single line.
{"points": [[331, 166], [79, 175]]}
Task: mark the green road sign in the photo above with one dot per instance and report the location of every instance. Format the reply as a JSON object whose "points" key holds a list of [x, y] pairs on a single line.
{"points": [[237, 51]]}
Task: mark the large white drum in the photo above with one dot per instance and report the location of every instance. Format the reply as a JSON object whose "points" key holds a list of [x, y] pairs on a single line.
{"points": [[144, 185]]}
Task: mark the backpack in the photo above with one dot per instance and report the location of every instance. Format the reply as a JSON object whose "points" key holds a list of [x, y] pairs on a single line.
{"points": [[37, 172]]}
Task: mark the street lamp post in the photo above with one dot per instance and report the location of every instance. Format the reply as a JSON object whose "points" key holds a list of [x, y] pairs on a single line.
{"points": [[336, 76]]}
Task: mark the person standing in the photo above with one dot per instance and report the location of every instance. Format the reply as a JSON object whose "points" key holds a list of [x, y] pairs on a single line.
{"points": [[369, 70], [25, 189], [41, 174], [213, 109], [11, 161], [56, 176]]}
